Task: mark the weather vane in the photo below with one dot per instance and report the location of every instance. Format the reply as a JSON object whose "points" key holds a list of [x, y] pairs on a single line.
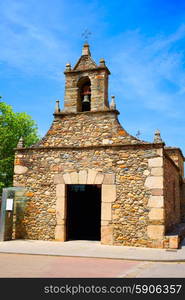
{"points": [[85, 35]]}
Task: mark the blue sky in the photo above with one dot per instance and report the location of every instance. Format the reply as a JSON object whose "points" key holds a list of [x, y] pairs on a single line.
{"points": [[142, 41]]}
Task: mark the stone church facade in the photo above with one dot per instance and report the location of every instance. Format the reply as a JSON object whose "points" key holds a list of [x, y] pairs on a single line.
{"points": [[89, 179]]}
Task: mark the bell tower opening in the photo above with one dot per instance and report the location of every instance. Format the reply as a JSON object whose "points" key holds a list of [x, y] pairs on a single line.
{"points": [[84, 95], [86, 85]]}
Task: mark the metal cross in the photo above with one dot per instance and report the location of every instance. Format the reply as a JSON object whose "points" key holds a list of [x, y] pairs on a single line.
{"points": [[138, 134], [86, 35]]}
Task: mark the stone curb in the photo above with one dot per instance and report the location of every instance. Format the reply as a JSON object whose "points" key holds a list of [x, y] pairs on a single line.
{"points": [[97, 257], [91, 249]]}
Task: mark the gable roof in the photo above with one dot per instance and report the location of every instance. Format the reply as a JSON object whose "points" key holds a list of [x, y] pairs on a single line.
{"points": [[85, 62]]}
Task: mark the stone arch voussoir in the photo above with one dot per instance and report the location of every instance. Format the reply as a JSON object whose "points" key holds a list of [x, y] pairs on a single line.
{"points": [[88, 176]]}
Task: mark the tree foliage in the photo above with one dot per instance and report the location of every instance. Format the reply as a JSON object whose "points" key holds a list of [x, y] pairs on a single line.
{"points": [[13, 126]]}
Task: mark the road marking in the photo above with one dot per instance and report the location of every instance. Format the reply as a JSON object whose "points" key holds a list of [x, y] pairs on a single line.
{"points": [[136, 270]]}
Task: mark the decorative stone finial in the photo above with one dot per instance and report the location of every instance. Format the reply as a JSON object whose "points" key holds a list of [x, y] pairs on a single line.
{"points": [[102, 62], [57, 106], [86, 50], [68, 67], [20, 143], [157, 137], [113, 103]]}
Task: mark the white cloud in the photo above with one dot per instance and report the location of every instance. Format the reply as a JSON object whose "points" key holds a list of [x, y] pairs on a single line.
{"points": [[149, 71], [38, 37], [30, 45]]}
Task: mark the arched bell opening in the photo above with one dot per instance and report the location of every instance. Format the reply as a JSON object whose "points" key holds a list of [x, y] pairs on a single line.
{"points": [[84, 95]]}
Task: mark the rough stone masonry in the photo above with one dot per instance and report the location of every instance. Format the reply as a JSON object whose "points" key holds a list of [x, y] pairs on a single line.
{"points": [[142, 183]]}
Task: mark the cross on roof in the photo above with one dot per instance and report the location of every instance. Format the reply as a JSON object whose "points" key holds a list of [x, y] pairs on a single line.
{"points": [[86, 35], [138, 134]]}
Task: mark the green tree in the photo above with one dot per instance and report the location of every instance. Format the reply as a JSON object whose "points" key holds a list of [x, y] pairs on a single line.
{"points": [[13, 126]]}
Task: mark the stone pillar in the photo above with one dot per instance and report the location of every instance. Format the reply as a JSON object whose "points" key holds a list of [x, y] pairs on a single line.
{"points": [[155, 183], [70, 99], [99, 90], [108, 197], [60, 230], [86, 50]]}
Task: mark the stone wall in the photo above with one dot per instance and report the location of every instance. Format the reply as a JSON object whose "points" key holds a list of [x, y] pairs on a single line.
{"points": [[87, 129], [171, 193], [129, 212], [176, 155], [183, 201], [95, 143]]}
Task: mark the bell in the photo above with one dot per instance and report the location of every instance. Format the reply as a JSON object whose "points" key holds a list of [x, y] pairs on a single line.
{"points": [[86, 99], [86, 103]]}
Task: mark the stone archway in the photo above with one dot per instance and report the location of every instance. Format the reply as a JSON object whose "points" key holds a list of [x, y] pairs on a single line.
{"points": [[108, 196]]}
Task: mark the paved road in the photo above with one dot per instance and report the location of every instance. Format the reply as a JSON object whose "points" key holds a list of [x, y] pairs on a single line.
{"points": [[20, 265]]}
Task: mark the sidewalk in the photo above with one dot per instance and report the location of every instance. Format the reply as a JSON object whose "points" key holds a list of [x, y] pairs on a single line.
{"points": [[92, 249]]}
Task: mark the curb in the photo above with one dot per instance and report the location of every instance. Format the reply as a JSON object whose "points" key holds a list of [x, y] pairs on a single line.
{"points": [[173, 260]]}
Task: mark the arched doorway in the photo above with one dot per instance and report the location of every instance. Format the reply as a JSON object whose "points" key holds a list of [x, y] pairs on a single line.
{"points": [[107, 192]]}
